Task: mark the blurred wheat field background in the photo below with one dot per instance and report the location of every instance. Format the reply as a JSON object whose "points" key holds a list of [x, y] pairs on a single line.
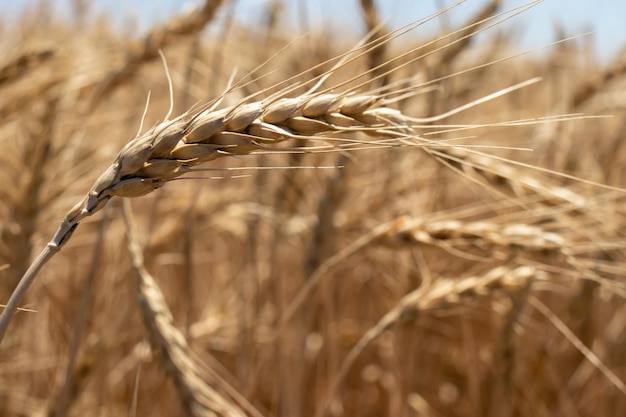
{"points": [[474, 267]]}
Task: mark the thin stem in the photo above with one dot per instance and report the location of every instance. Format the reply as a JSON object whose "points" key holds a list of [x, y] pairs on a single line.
{"points": [[25, 282], [62, 235]]}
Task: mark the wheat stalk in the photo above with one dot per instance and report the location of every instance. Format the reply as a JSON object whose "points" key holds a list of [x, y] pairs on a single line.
{"points": [[201, 398], [176, 147], [442, 293]]}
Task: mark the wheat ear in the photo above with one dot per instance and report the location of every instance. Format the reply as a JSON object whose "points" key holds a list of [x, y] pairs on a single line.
{"points": [[442, 293], [406, 230], [199, 397]]}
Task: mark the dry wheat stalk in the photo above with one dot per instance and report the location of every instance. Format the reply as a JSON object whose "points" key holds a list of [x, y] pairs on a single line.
{"points": [[201, 398], [174, 147], [440, 230], [442, 293]]}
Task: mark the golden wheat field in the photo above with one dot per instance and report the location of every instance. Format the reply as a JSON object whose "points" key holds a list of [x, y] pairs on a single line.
{"points": [[400, 223]]}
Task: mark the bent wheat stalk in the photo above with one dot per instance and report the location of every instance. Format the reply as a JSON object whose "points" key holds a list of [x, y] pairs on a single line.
{"points": [[443, 293], [176, 147]]}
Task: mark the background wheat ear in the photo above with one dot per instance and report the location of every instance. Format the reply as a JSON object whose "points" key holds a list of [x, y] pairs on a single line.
{"points": [[460, 253], [200, 394]]}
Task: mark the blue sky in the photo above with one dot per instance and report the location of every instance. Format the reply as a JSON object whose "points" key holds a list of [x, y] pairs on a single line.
{"points": [[606, 18]]}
